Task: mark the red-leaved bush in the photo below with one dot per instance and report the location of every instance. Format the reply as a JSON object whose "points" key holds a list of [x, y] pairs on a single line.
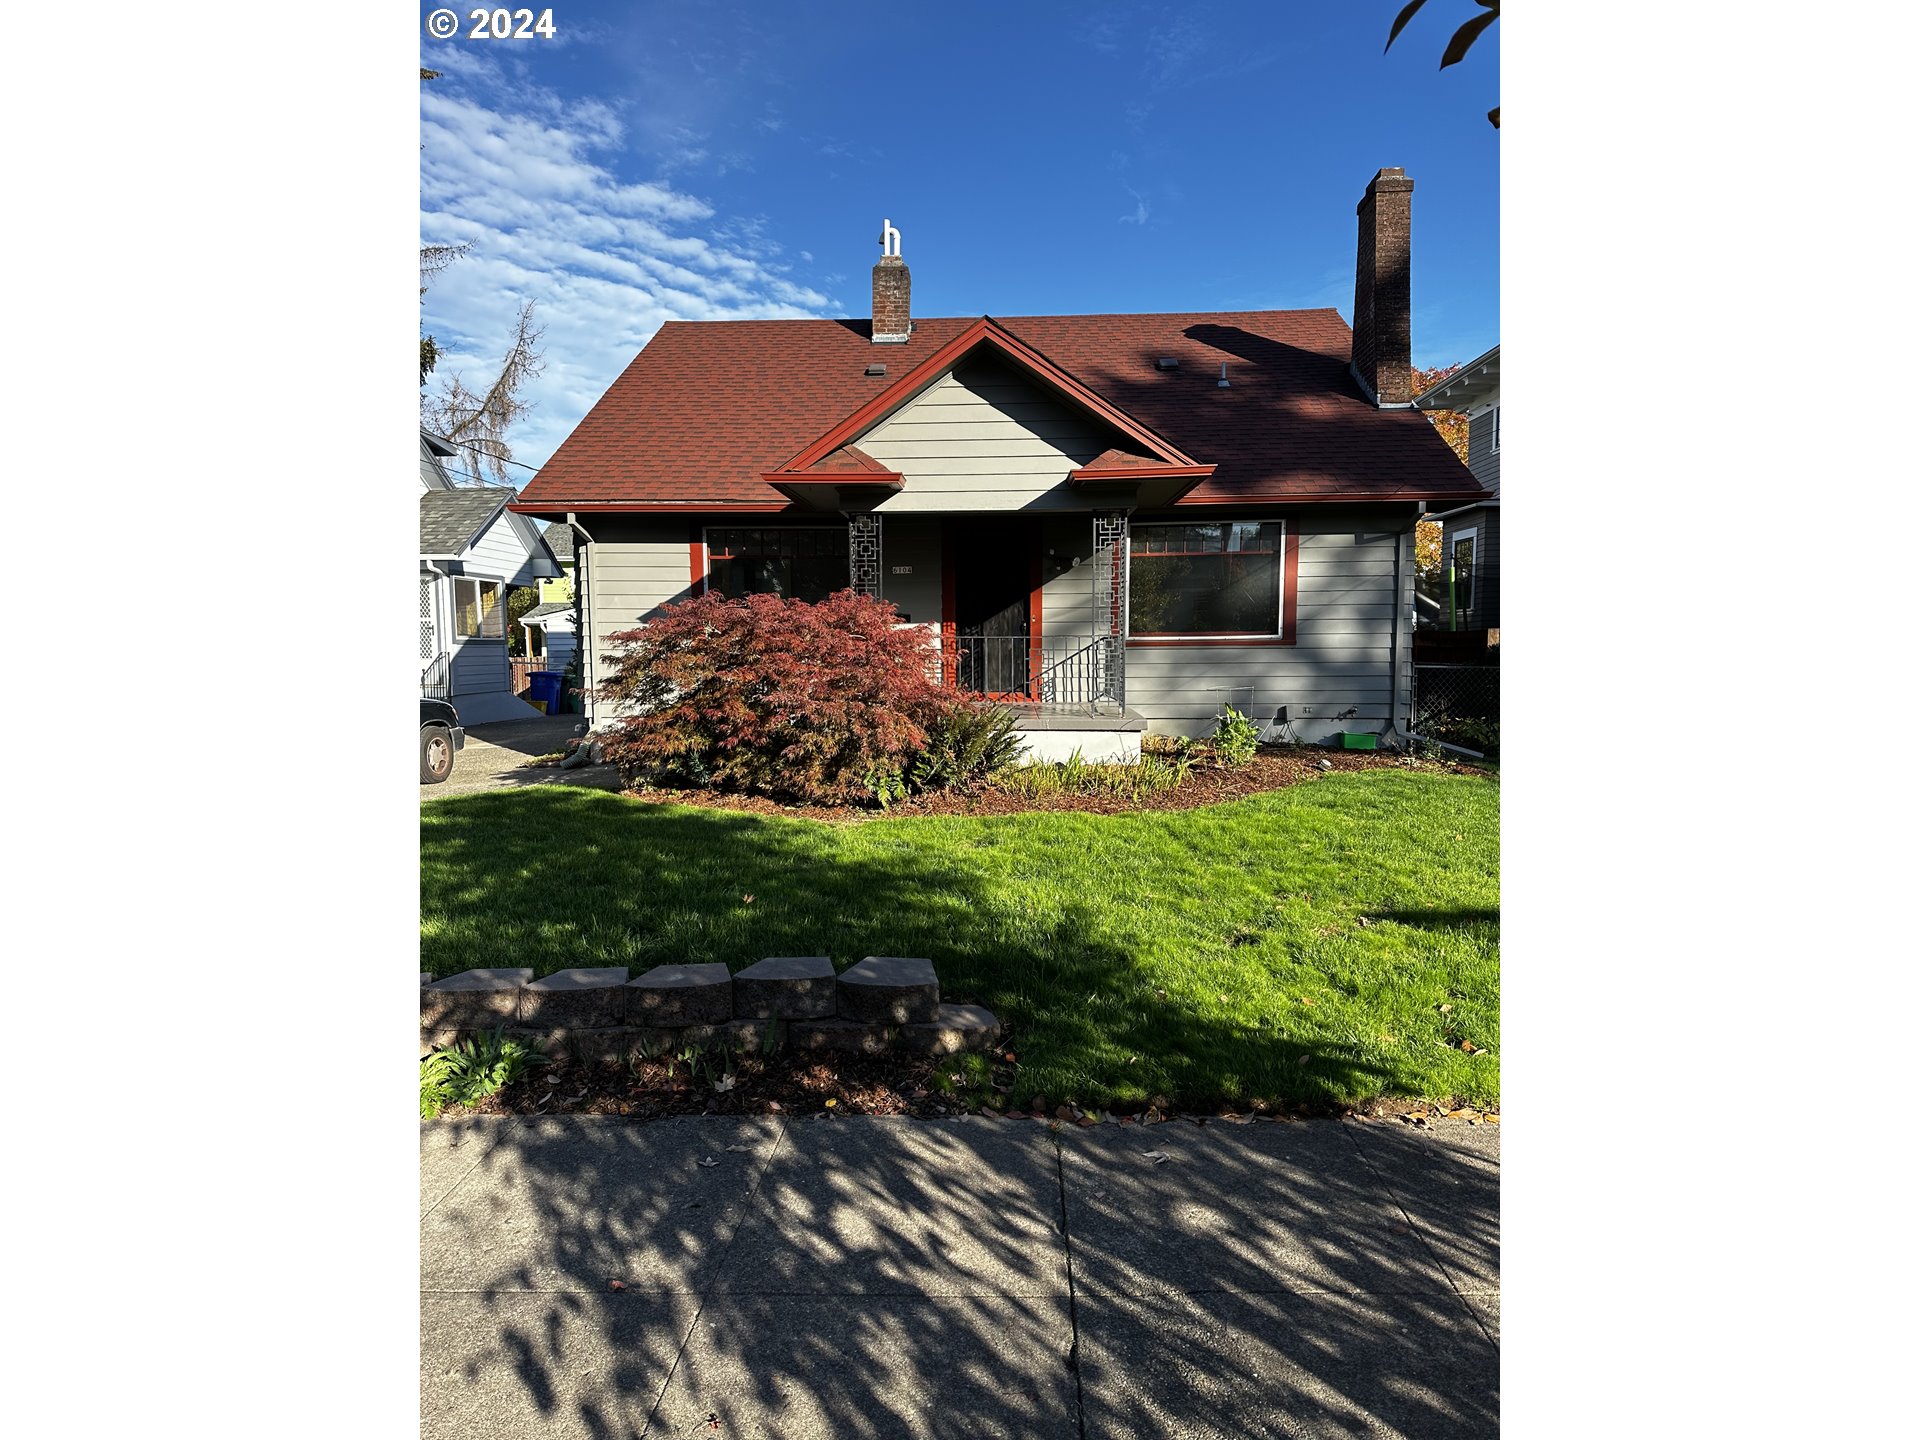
{"points": [[775, 696]]}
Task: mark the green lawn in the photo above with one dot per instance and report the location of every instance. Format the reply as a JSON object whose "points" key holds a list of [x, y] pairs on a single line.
{"points": [[1205, 955]]}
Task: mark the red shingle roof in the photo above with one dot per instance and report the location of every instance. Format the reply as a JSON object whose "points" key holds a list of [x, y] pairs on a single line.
{"points": [[709, 406]]}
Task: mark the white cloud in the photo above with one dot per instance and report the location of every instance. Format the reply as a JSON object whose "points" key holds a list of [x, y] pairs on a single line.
{"points": [[1139, 215], [525, 177]]}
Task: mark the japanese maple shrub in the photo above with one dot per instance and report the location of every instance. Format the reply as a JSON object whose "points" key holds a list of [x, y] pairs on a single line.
{"points": [[778, 697]]}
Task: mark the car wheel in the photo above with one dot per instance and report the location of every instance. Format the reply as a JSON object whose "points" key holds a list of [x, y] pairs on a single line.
{"points": [[436, 754]]}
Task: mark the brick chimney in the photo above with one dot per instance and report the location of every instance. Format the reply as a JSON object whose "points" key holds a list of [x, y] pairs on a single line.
{"points": [[892, 291], [1382, 289]]}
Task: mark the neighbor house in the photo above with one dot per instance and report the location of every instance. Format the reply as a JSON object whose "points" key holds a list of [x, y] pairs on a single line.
{"points": [[1470, 533], [1117, 523], [472, 549]]}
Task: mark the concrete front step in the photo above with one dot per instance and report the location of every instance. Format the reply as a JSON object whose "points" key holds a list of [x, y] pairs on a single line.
{"points": [[889, 990], [792, 987]]}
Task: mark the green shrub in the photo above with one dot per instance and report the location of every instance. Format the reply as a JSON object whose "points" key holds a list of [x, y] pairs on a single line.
{"points": [[1149, 775], [1235, 737], [966, 744], [472, 1070]]}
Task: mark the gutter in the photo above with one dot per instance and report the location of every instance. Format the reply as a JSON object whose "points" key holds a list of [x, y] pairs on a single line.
{"points": [[1462, 509]]}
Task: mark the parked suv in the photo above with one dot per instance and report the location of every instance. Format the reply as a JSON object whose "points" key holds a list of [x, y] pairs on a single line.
{"points": [[440, 739]]}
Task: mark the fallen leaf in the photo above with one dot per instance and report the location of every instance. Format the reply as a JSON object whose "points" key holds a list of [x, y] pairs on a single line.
{"points": [[616, 1285], [740, 1149], [1159, 1157], [1008, 1057], [707, 1163], [1445, 1008], [1306, 1002], [723, 1084], [1468, 1046], [746, 899], [832, 1103]]}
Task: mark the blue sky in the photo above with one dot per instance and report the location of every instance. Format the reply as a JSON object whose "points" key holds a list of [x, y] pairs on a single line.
{"points": [[707, 161]]}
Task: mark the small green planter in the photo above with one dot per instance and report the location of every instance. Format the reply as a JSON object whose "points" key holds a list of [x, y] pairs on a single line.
{"points": [[1350, 741]]}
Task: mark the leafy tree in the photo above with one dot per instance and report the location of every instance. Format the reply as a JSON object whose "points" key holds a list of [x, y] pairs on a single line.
{"points": [[1452, 426], [1462, 40]]}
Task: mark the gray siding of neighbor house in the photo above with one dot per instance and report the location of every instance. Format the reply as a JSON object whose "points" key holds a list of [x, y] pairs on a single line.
{"points": [[480, 666], [1343, 656], [982, 438], [1485, 612], [633, 567], [500, 553], [1482, 459]]}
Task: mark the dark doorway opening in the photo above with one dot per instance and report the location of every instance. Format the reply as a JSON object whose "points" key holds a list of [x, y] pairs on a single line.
{"points": [[995, 564]]}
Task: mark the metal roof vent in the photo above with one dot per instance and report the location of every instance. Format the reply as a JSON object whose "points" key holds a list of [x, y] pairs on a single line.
{"points": [[1222, 383], [1166, 362], [876, 369]]}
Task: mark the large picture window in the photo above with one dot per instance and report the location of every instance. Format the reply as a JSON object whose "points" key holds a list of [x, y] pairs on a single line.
{"points": [[1216, 579], [800, 564], [477, 611]]}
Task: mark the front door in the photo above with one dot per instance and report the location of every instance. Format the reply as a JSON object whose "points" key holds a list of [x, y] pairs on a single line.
{"points": [[993, 584]]}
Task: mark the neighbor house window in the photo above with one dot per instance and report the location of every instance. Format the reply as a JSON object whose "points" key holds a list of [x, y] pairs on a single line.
{"points": [[1465, 543], [1494, 445], [1216, 579], [799, 564], [477, 612]]}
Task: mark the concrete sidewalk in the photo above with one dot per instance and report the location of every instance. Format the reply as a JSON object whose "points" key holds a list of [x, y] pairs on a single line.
{"points": [[971, 1277]]}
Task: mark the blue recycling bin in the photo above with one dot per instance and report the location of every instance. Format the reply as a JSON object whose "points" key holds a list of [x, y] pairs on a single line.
{"points": [[543, 688]]}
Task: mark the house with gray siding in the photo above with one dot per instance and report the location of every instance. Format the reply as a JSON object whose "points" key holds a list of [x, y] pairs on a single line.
{"points": [[1470, 533], [473, 549], [1115, 523]]}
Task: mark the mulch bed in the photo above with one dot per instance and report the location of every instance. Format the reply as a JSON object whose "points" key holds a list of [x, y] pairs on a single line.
{"points": [[807, 1085], [1275, 767]]}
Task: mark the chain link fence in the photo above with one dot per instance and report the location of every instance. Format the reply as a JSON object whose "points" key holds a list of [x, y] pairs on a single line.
{"points": [[1459, 704]]}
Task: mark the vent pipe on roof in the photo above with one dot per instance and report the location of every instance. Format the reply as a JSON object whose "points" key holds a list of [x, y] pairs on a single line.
{"points": [[1223, 383]]}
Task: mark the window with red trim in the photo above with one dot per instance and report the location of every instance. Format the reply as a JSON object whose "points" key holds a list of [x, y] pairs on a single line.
{"points": [[1222, 578], [800, 564]]}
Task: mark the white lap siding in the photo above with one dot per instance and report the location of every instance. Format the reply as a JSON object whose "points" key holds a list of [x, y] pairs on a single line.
{"points": [[1343, 655], [633, 567]]}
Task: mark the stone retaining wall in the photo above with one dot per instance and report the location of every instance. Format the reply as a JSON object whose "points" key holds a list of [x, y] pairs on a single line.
{"points": [[883, 1003]]}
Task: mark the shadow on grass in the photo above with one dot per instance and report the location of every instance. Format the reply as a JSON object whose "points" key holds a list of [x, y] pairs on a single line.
{"points": [[882, 1278], [554, 878]]}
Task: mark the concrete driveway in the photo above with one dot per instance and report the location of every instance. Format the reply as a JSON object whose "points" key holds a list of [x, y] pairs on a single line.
{"points": [[860, 1276], [495, 758]]}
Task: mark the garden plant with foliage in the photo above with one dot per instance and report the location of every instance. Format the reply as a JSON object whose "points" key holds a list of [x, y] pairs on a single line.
{"points": [[823, 702]]}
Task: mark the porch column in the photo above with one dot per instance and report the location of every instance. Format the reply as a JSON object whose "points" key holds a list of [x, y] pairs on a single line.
{"points": [[1110, 598], [863, 549]]}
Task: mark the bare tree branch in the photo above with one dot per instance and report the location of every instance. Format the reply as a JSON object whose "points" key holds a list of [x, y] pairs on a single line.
{"points": [[478, 422]]}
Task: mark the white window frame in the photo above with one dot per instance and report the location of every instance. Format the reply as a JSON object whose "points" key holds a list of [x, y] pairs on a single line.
{"points": [[453, 609], [1472, 532], [1279, 630], [1493, 440]]}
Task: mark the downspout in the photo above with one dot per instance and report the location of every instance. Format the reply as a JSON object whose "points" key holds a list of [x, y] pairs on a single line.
{"points": [[1400, 618], [582, 617]]}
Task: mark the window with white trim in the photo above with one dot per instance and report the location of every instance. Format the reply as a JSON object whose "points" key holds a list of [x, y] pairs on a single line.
{"points": [[1217, 579], [797, 562], [477, 611], [1493, 446]]}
